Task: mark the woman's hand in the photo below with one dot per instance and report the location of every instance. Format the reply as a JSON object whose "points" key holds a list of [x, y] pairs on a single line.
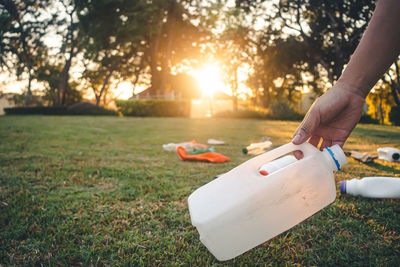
{"points": [[331, 118]]}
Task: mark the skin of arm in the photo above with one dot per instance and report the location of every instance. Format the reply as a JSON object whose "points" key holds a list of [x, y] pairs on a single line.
{"points": [[334, 115]]}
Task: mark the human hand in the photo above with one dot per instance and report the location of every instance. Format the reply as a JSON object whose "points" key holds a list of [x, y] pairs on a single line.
{"points": [[331, 118]]}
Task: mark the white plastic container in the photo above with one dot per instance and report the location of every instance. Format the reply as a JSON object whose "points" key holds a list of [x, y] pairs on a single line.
{"points": [[257, 148], [172, 146], [372, 187], [389, 154], [188, 146], [215, 142], [242, 208], [277, 164]]}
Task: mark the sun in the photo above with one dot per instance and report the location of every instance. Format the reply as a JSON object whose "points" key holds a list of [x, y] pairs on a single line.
{"points": [[124, 90], [209, 79]]}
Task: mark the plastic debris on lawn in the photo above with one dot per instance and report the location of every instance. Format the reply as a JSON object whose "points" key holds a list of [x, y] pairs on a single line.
{"points": [[212, 157], [202, 151], [188, 146], [363, 157], [390, 154], [372, 187], [258, 148], [215, 142]]}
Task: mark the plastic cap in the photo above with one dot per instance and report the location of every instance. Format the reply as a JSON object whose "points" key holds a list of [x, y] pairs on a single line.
{"points": [[339, 155], [343, 187], [396, 156]]}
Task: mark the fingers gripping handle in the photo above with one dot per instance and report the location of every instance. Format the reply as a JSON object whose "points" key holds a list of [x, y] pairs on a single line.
{"points": [[306, 148]]}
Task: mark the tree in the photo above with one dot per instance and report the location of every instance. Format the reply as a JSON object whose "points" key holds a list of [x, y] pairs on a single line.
{"points": [[113, 44], [331, 30], [234, 49], [392, 79], [325, 33], [379, 101], [49, 74], [304, 43], [22, 31], [279, 66], [185, 86], [69, 27], [277, 61], [125, 39], [171, 37]]}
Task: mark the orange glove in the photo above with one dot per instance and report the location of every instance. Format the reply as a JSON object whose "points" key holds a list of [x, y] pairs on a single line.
{"points": [[209, 156]]}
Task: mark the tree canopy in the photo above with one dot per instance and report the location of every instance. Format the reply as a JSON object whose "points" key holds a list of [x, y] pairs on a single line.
{"points": [[286, 47]]}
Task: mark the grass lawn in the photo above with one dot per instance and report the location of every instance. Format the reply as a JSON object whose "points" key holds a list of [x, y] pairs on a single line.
{"points": [[101, 191]]}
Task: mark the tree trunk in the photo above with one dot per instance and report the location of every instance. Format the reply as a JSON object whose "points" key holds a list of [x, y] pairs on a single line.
{"points": [[154, 46], [289, 96], [381, 117], [395, 88], [266, 99], [165, 65], [235, 102], [137, 75], [396, 85], [154, 90], [255, 100], [234, 84], [134, 84], [393, 82], [29, 92], [98, 96], [63, 83], [104, 87], [105, 97]]}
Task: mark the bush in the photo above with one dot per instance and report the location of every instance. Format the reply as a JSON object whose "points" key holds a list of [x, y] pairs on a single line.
{"points": [[365, 118], [394, 115], [83, 108], [277, 111], [283, 111], [36, 110], [86, 108], [154, 108], [242, 114], [34, 100]]}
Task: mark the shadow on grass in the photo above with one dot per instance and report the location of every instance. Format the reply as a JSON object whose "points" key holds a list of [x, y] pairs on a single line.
{"points": [[363, 131], [381, 167]]}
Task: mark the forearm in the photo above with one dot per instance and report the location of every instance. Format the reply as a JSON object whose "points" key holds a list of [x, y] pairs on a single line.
{"points": [[377, 50]]}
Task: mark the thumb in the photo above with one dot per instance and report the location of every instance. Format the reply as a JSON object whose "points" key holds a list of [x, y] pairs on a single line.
{"points": [[307, 127]]}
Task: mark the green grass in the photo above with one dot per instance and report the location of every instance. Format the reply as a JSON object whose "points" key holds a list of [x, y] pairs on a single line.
{"points": [[101, 191]]}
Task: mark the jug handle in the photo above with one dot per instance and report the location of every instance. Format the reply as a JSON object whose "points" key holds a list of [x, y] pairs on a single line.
{"points": [[306, 148]]}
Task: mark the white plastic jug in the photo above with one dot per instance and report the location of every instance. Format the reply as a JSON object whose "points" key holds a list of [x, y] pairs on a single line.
{"points": [[389, 154], [372, 187], [277, 164], [242, 208]]}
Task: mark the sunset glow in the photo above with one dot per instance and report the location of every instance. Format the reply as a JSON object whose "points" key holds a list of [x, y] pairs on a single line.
{"points": [[124, 90], [209, 79]]}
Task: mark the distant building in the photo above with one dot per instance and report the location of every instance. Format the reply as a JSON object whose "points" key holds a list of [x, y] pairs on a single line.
{"points": [[6, 101]]}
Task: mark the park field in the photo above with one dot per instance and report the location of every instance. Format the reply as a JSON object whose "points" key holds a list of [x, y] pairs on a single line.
{"points": [[101, 191]]}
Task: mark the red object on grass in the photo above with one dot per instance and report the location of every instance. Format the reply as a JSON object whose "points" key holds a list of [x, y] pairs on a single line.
{"points": [[209, 156]]}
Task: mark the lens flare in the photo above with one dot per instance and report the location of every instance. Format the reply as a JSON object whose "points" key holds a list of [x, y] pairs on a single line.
{"points": [[209, 79]]}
